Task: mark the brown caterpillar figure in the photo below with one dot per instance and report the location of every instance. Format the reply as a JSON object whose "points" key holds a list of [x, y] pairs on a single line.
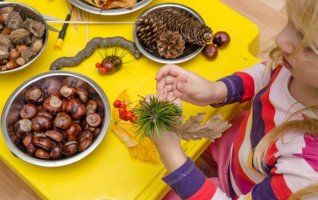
{"points": [[93, 44]]}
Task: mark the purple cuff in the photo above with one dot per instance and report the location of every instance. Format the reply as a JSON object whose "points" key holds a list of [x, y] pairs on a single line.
{"points": [[235, 89], [186, 180]]}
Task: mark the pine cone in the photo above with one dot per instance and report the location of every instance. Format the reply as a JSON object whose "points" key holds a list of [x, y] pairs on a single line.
{"points": [[148, 28], [170, 44], [190, 28]]}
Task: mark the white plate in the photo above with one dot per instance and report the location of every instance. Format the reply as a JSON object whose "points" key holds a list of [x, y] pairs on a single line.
{"points": [[119, 11]]}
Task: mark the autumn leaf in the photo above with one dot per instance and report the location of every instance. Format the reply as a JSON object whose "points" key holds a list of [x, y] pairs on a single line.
{"points": [[194, 129], [125, 130]]}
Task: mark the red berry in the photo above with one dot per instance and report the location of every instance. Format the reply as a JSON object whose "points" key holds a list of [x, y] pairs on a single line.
{"points": [[133, 119], [122, 110], [123, 105], [102, 70], [129, 114], [122, 116], [117, 103], [98, 65]]}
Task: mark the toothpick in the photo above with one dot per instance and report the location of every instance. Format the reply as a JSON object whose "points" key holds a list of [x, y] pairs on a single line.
{"points": [[87, 22]]}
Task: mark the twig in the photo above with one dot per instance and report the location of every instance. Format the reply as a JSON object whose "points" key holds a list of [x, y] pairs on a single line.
{"points": [[87, 22]]}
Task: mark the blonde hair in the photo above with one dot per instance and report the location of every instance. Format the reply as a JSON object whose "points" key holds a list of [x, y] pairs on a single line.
{"points": [[305, 20]]}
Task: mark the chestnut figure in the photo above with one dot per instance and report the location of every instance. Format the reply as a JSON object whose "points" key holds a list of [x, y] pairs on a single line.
{"points": [[22, 126], [28, 111], [56, 152], [93, 119], [76, 109], [43, 142], [62, 121], [55, 135], [34, 95], [53, 104], [40, 153], [91, 106], [73, 131], [210, 51], [67, 91], [82, 94], [84, 144], [41, 123], [70, 148], [221, 39]]}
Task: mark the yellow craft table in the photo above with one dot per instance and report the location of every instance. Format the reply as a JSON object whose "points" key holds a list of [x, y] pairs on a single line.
{"points": [[109, 172]]}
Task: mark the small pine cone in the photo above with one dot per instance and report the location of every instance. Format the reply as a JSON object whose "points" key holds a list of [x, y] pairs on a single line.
{"points": [[170, 44], [148, 28]]}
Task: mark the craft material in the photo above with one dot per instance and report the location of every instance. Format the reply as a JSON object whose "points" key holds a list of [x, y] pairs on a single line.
{"points": [[89, 49], [62, 33]]}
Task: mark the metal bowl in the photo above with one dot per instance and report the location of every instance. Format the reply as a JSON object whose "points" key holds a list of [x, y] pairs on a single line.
{"points": [[119, 11], [27, 12], [190, 50], [12, 108]]}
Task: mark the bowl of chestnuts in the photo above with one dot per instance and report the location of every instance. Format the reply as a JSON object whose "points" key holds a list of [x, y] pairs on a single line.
{"points": [[171, 33], [55, 118], [23, 36]]}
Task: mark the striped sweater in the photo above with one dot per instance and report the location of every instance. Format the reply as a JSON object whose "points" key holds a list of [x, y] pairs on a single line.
{"points": [[292, 161]]}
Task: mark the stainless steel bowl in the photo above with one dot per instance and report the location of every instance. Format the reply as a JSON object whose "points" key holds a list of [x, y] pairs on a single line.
{"points": [[15, 102], [190, 50], [28, 12], [119, 11]]}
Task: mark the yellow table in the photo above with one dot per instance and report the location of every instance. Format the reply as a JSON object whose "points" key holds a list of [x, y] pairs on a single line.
{"points": [[110, 172]]}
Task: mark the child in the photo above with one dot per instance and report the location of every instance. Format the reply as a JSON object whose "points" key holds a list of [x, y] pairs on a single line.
{"points": [[274, 152]]}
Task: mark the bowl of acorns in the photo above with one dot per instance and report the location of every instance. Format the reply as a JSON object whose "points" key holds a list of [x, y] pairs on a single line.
{"points": [[55, 119], [171, 33], [23, 36], [110, 7]]}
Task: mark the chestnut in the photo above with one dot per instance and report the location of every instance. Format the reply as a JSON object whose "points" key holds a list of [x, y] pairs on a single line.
{"points": [[52, 104], [96, 132], [210, 51], [30, 148], [27, 140], [67, 91], [43, 142], [28, 111], [40, 153], [41, 123], [82, 94], [62, 121], [85, 134], [76, 109], [221, 39], [22, 126], [84, 144], [70, 148], [73, 131], [34, 95], [55, 135], [73, 82], [93, 119], [91, 106], [52, 86], [56, 152], [46, 114]]}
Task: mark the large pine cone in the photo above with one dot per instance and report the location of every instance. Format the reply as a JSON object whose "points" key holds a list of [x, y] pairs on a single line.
{"points": [[190, 28], [148, 28], [170, 44]]}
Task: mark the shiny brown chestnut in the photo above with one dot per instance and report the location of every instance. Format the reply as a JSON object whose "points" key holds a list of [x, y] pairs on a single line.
{"points": [[210, 51], [53, 104], [43, 142], [221, 39], [73, 131], [91, 106], [85, 134], [55, 135], [93, 119], [82, 94], [27, 140], [46, 114], [34, 95], [67, 91], [56, 152], [40, 153], [84, 144], [22, 126], [76, 109], [52, 86], [28, 111], [41, 123], [30, 148], [62, 121], [70, 148]]}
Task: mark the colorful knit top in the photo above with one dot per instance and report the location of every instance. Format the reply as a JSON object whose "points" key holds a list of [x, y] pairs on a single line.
{"points": [[292, 161]]}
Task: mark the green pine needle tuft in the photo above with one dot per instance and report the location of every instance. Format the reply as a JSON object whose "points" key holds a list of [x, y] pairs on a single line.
{"points": [[155, 116]]}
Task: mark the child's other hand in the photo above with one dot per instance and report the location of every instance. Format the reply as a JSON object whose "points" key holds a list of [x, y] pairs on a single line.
{"points": [[189, 86]]}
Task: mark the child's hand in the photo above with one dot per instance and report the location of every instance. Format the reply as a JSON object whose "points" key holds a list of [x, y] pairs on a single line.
{"points": [[189, 86]]}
